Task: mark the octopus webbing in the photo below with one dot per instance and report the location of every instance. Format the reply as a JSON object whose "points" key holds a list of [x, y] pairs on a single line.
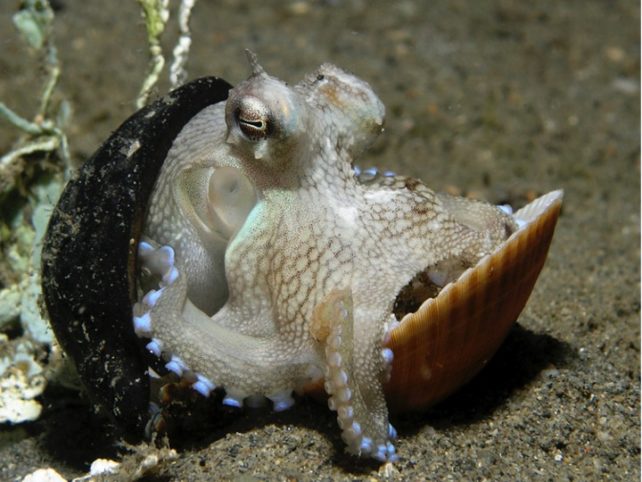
{"points": [[261, 261]]}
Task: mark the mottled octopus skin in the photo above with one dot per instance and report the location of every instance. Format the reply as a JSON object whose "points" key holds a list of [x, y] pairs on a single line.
{"points": [[89, 252], [300, 283]]}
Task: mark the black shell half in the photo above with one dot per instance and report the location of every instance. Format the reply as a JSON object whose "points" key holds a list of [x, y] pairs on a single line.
{"points": [[89, 251]]}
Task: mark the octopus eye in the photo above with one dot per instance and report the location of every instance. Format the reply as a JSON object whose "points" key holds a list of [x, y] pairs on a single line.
{"points": [[253, 119]]}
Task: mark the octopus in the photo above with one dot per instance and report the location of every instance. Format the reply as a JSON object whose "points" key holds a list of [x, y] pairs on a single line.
{"points": [[269, 261]]}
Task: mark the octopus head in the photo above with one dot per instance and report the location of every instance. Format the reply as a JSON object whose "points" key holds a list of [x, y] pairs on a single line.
{"points": [[353, 115], [267, 121], [277, 129]]}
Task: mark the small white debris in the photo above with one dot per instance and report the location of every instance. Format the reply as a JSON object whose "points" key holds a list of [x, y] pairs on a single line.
{"points": [[388, 471], [133, 147], [21, 381], [103, 467], [44, 475], [626, 86]]}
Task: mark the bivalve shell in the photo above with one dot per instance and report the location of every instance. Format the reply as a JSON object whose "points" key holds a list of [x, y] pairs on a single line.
{"points": [[450, 338]]}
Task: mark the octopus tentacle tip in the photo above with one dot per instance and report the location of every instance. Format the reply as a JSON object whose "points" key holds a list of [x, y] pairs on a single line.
{"points": [[170, 276], [333, 342], [328, 386], [332, 404], [346, 413], [282, 401], [176, 365], [366, 445], [340, 378], [152, 297], [355, 430], [155, 347], [203, 385], [232, 401], [144, 248], [167, 255], [201, 388], [143, 324], [334, 359], [391, 324], [344, 394], [507, 208], [387, 355], [381, 454]]}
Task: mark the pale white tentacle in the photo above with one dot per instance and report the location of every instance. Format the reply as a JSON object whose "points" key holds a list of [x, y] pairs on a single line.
{"points": [[355, 394], [206, 353]]}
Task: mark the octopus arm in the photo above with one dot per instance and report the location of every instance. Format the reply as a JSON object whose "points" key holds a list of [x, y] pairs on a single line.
{"points": [[208, 351], [355, 366]]}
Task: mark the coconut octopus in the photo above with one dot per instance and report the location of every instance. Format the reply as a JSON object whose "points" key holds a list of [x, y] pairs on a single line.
{"points": [[279, 267], [268, 262]]}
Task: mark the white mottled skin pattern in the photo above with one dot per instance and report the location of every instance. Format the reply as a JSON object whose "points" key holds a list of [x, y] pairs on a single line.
{"points": [[301, 283]]}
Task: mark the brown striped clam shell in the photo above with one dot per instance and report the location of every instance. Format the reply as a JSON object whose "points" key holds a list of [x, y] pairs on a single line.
{"points": [[451, 337]]}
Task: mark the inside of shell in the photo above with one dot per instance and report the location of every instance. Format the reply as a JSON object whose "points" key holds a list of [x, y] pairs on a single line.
{"points": [[427, 284], [450, 337]]}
